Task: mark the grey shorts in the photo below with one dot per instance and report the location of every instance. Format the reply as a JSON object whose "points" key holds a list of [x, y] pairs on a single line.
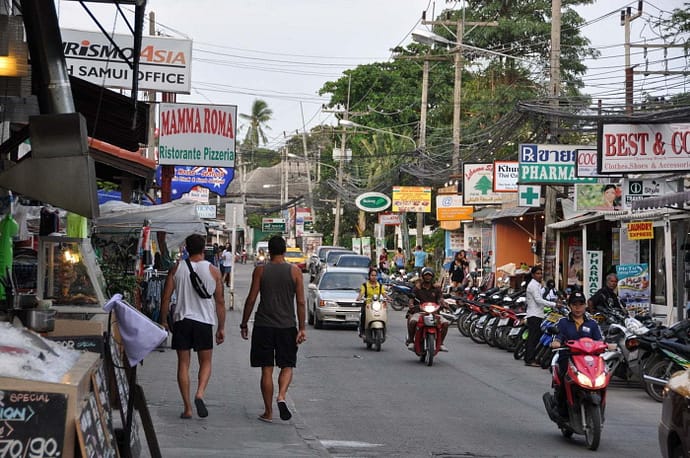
{"points": [[273, 347]]}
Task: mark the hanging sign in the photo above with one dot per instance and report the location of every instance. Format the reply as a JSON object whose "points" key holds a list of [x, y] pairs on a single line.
{"points": [[547, 164], [478, 185], [640, 230], [372, 202]]}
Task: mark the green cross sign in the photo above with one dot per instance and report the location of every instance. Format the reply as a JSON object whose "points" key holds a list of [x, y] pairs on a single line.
{"points": [[529, 195]]}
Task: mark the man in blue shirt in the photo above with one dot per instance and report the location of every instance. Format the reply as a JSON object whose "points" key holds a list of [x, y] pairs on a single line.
{"points": [[419, 258]]}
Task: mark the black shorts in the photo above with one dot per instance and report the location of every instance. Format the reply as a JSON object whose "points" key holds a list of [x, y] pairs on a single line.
{"points": [[188, 334], [273, 347]]}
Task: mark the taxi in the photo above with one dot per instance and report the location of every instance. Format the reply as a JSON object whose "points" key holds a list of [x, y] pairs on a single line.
{"points": [[296, 256]]}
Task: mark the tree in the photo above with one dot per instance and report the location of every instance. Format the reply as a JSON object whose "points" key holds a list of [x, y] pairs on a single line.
{"points": [[258, 120]]}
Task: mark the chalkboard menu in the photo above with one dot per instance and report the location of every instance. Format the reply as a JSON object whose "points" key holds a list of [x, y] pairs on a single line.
{"points": [[94, 440], [32, 424], [122, 386], [102, 395], [83, 343]]}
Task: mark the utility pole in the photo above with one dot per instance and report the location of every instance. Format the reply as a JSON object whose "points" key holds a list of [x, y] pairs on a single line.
{"points": [[310, 193], [626, 19], [550, 268]]}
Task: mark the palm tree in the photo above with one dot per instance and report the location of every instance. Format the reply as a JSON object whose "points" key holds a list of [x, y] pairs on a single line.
{"points": [[261, 114]]}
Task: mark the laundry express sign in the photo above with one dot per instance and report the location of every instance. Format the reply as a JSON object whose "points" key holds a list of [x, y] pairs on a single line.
{"points": [[199, 135], [165, 65], [549, 164]]}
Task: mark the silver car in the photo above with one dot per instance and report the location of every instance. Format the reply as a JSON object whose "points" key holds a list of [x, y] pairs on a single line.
{"points": [[332, 298]]}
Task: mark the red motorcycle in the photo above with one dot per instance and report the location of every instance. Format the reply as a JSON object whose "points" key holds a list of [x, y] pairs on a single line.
{"points": [[427, 336], [584, 385]]}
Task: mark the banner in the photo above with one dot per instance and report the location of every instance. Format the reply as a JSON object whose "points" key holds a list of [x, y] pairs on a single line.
{"points": [[165, 65], [216, 179], [594, 262], [597, 197], [412, 199]]}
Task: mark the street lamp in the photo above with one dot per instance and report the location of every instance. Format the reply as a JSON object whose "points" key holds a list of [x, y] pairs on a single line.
{"points": [[348, 123]]}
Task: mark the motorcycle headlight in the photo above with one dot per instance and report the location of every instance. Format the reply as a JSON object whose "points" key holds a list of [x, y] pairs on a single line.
{"points": [[430, 308], [583, 380], [376, 306], [600, 381]]}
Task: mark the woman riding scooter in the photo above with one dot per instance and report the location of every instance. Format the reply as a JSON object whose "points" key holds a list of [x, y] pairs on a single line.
{"points": [[371, 292]]}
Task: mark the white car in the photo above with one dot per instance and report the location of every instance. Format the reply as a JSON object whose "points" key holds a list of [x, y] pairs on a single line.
{"points": [[332, 298]]}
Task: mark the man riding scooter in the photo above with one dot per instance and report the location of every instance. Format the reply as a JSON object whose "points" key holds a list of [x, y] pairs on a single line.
{"points": [[572, 327], [425, 291]]}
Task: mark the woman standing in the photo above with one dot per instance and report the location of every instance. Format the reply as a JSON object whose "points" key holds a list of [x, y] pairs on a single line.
{"points": [[399, 259], [458, 269]]}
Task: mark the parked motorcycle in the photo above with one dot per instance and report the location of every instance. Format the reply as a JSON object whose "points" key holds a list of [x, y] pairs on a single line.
{"points": [[584, 386], [675, 357], [428, 333], [375, 319], [399, 294]]}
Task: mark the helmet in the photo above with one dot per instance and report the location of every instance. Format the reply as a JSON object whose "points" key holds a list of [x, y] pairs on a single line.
{"points": [[427, 270], [577, 298]]}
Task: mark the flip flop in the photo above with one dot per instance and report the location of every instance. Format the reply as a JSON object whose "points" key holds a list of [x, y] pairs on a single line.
{"points": [[285, 414], [201, 408], [265, 420], [185, 417]]}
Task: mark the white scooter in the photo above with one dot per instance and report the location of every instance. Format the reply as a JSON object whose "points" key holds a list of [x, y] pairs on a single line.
{"points": [[375, 319]]}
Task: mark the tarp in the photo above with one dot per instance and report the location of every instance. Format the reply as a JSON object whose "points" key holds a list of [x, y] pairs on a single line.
{"points": [[178, 219]]}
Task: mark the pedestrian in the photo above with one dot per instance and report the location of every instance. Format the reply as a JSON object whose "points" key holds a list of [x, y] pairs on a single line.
{"points": [[458, 269], [606, 298], [419, 258], [399, 260], [193, 320], [228, 258], [383, 261], [535, 313], [275, 335]]}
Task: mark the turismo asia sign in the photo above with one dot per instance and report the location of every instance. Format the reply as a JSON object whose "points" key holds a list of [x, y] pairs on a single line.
{"points": [[542, 164], [186, 179], [165, 63], [372, 202], [651, 148], [197, 135]]}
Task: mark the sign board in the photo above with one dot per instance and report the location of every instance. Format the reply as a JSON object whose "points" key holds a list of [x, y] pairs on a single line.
{"points": [[643, 189], [506, 176], [198, 194], [165, 65], [640, 230], [594, 262], [197, 135], [633, 283], [529, 196], [650, 148], [548, 164], [587, 164], [449, 208], [597, 197], [389, 219], [273, 225], [372, 202], [32, 423], [478, 185], [94, 439], [206, 211], [412, 199]]}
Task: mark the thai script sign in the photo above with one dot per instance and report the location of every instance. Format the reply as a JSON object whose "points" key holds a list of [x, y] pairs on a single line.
{"points": [[165, 63], [412, 199], [549, 164], [653, 148], [197, 135]]}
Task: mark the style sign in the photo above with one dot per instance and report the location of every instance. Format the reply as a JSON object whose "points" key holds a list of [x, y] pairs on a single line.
{"points": [[651, 148], [197, 135], [547, 164], [506, 176], [477, 185], [640, 230], [643, 189], [372, 202], [165, 63], [412, 199]]}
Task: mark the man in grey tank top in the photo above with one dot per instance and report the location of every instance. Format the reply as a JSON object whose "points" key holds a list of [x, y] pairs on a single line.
{"points": [[276, 334]]}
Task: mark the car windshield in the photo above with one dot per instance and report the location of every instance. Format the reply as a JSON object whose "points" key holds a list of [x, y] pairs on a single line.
{"points": [[353, 261], [334, 255], [294, 254], [342, 280]]}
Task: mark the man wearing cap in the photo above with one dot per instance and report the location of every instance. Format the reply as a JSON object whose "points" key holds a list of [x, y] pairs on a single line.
{"points": [[573, 327], [425, 291]]}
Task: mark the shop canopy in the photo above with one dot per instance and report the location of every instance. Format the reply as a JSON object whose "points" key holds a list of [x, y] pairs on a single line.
{"points": [[177, 219]]}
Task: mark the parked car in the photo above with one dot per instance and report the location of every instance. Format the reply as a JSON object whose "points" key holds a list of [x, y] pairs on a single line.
{"points": [[332, 298], [674, 427], [333, 256], [318, 258], [353, 260], [297, 257]]}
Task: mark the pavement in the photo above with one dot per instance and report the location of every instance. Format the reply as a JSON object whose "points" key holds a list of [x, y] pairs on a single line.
{"points": [[233, 400]]}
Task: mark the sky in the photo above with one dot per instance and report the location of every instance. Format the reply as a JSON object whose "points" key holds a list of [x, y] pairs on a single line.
{"points": [[284, 51]]}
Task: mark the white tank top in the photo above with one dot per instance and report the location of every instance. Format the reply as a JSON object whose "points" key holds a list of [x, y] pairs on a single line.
{"points": [[189, 304]]}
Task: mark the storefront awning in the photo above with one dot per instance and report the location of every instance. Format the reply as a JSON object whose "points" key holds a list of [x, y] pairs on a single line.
{"points": [[578, 221], [676, 200], [484, 213], [509, 212], [647, 215]]}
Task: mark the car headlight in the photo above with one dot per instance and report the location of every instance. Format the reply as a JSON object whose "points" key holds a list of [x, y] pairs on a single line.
{"points": [[325, 303]]}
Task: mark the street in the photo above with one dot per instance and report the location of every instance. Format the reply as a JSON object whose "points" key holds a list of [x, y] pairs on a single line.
{"points": [[474, 401]]}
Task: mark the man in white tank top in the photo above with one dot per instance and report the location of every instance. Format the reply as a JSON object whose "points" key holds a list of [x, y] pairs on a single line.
{"points": [[194, 318]]}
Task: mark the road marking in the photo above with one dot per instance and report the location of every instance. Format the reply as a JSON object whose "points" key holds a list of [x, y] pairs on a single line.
{"points": [[351, 444]]}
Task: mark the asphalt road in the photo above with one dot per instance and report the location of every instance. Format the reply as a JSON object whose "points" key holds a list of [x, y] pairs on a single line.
{"points": [[474, 401]]}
